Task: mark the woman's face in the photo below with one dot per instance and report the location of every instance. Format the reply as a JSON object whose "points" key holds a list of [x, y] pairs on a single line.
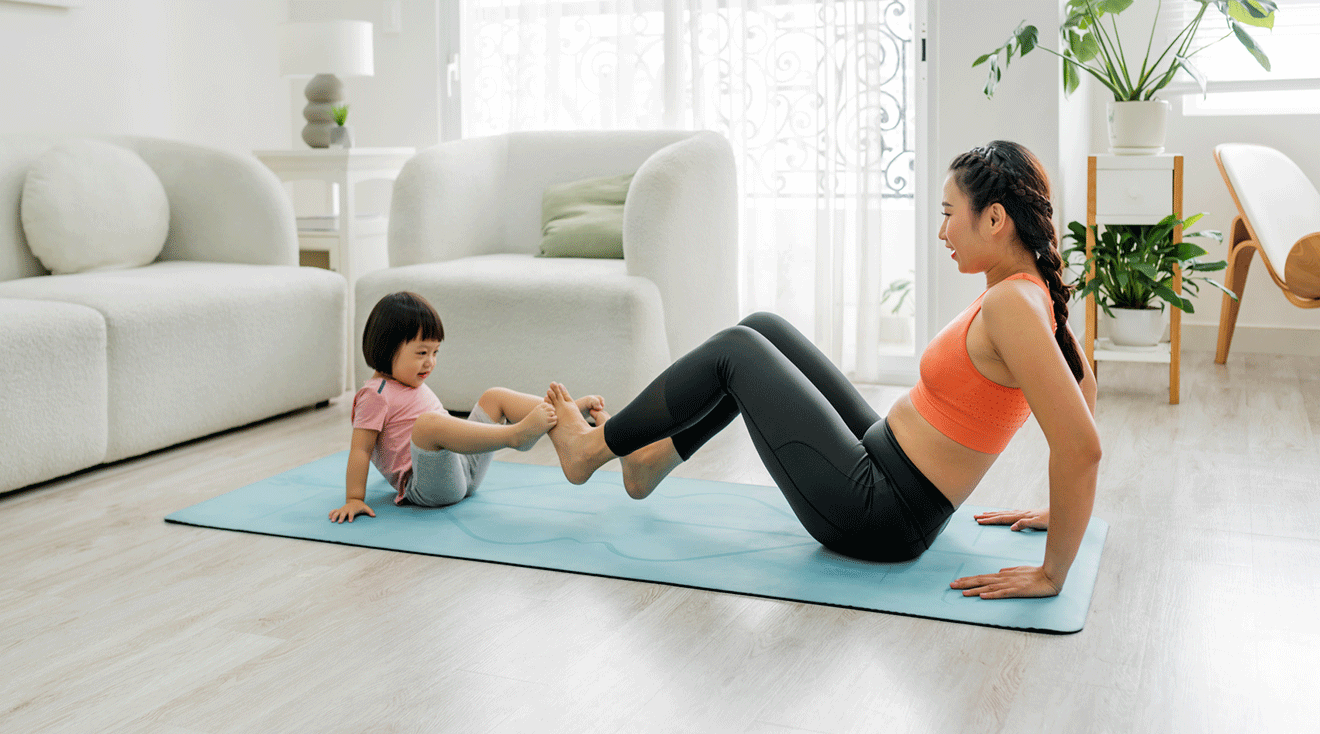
{"points": [[963, 232]]}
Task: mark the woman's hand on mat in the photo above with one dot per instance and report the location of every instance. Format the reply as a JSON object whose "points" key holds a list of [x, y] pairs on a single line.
{"points": [[1018, 519], [350, 510], [1019, 581]]}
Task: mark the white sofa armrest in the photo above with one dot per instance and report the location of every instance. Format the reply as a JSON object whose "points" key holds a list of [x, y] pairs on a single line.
{"points": [[680, 230], [448, 202], [224, 207]]}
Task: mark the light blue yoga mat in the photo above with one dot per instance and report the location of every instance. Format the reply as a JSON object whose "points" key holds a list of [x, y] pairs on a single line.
{"points": [[737, 538]]}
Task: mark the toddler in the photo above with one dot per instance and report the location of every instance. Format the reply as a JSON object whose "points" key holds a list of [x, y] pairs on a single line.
{"points": [[429, 457]]}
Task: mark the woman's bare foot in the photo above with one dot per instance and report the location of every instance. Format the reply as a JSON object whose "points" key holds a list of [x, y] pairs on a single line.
{"points": [[527, 431], [581, 448], [645, 468]]}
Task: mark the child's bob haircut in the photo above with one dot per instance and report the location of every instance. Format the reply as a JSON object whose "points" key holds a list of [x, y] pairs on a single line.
{"points": [[397, 319]]}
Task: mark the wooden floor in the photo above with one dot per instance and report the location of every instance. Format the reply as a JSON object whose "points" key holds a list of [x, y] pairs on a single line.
{"points": [[1204, 616]]}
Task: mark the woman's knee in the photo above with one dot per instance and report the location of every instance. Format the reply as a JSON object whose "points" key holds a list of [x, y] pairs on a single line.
{"points": [[765, 322]]}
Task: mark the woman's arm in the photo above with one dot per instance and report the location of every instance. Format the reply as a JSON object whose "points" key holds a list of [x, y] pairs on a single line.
{"points": [[355, 479], [1020, 328]]}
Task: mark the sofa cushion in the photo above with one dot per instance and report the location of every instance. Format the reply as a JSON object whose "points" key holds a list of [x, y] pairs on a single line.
{"points": [[92, 205], [53, 389], [584, 218], [195, 348]]}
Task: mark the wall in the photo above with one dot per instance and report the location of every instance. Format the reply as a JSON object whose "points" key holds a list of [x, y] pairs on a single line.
{"points": [[192, 70], [1025, 109]]}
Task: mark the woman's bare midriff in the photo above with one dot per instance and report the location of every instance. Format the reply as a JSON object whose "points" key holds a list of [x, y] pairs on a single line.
{"points": [[953, 468]]}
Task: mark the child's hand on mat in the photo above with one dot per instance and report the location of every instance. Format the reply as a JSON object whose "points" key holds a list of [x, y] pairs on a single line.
{"points": [[350, 510], [1019, 519], [1019, 581]]}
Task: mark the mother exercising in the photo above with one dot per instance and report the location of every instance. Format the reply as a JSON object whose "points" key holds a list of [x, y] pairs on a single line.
{"points": [[882, 488]]}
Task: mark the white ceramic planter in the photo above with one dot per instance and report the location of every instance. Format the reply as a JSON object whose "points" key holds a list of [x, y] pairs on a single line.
{"points": [[1137, 128], [341, 136], [1136, 327]]}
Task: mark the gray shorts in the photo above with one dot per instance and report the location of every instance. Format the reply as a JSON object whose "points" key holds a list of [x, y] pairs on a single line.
{"points": [[443, 477]]}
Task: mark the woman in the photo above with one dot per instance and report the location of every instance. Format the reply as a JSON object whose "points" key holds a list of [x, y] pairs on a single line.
{"points": [[882, 489]]}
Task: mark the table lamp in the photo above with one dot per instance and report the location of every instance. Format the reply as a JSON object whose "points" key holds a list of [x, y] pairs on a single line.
{"points": [[325, 50]]}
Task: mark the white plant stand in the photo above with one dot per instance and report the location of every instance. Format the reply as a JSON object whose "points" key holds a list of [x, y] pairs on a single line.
{"points": [[1134, 189]]}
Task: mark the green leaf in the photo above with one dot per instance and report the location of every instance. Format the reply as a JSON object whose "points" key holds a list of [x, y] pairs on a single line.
{"points": [[1071, 81], [1113, 6], [1027, 38], [1251, 12], [1250, 44], [1144, 269], [981, 60], [1210, 234], [1209, 267], [1192, 70], [1187, 251]]}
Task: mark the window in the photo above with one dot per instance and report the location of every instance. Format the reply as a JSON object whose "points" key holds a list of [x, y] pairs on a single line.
{"points": [[1237, 84], [816, 97]]}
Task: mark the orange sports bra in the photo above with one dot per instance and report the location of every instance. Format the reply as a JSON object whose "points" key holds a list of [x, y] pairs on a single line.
{"points": [[958, 400]]}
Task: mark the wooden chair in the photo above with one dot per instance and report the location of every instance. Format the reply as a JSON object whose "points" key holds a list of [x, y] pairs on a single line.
{"points": [[1278, 216]]}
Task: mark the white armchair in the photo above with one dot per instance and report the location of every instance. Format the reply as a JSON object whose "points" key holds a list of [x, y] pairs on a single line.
{"points": [[465, 226]]}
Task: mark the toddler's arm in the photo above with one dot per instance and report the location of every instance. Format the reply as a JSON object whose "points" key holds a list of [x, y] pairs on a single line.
{"points": [[355, 480]]}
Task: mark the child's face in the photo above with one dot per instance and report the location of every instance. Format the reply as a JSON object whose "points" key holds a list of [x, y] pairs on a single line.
{"points": [[413, 361]]}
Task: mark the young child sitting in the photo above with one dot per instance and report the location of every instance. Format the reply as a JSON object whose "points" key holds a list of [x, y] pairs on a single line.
{"points": [[430, 457]]}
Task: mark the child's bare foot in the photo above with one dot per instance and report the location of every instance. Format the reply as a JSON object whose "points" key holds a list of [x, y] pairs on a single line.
{"points": [[535, 425], [589, 404], [581, 448], [645, 468]]}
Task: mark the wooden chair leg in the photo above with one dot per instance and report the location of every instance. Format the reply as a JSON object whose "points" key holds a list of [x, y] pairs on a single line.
{"points": [[1235, 279]]}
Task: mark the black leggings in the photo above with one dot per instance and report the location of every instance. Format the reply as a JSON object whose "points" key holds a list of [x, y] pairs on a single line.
{"points": [[833, 457]]}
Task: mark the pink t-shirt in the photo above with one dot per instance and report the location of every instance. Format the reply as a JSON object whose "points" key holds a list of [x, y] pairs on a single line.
{"points": [[392, 408]]}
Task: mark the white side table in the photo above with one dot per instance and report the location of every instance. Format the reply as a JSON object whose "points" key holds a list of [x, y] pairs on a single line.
{"points": [[344, 233]]}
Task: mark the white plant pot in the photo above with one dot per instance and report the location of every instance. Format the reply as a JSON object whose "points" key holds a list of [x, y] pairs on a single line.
{"points": [[341, 136], [1137, 128], [1136, 327]]}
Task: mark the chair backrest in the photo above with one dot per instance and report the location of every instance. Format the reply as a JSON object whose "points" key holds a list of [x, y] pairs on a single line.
{"points": [[537, 160], [1279, 202]]}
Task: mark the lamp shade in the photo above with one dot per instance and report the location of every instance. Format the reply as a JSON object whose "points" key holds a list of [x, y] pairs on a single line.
{"points": [[340, 47]]}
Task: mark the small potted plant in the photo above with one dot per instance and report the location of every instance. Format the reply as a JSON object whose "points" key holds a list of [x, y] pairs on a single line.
{"points": [[896, 327], [1134, 266], [1136, 118], [341, 135]]}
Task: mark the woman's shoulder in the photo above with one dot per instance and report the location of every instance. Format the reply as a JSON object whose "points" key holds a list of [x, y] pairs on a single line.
{"points": [[1015, 301]]}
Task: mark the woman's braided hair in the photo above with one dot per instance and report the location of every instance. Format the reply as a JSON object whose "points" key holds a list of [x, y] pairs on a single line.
{"points": [[1011, 175]]}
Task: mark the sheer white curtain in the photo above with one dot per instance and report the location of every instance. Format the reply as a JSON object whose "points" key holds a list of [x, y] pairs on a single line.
{"points": [[814, 95]]}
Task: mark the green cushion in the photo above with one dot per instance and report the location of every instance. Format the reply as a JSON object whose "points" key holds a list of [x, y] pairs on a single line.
{"points": [[584, 218]]}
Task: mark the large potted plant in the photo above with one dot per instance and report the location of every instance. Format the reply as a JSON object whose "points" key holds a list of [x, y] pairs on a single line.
{"points": [[1134, 272], [1136, 118]]}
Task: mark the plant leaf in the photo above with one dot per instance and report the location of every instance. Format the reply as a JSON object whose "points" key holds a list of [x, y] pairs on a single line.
{"points": [[1027, 38], [981, 60], [1250, 44], [1071, 81], [1251, 12], [1193, 71], [1112, 6], [1187, 250], [1208, 267]]}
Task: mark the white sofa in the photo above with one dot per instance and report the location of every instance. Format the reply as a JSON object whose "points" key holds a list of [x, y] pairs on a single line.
{"points": [[465, 226], [221, 330]]}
